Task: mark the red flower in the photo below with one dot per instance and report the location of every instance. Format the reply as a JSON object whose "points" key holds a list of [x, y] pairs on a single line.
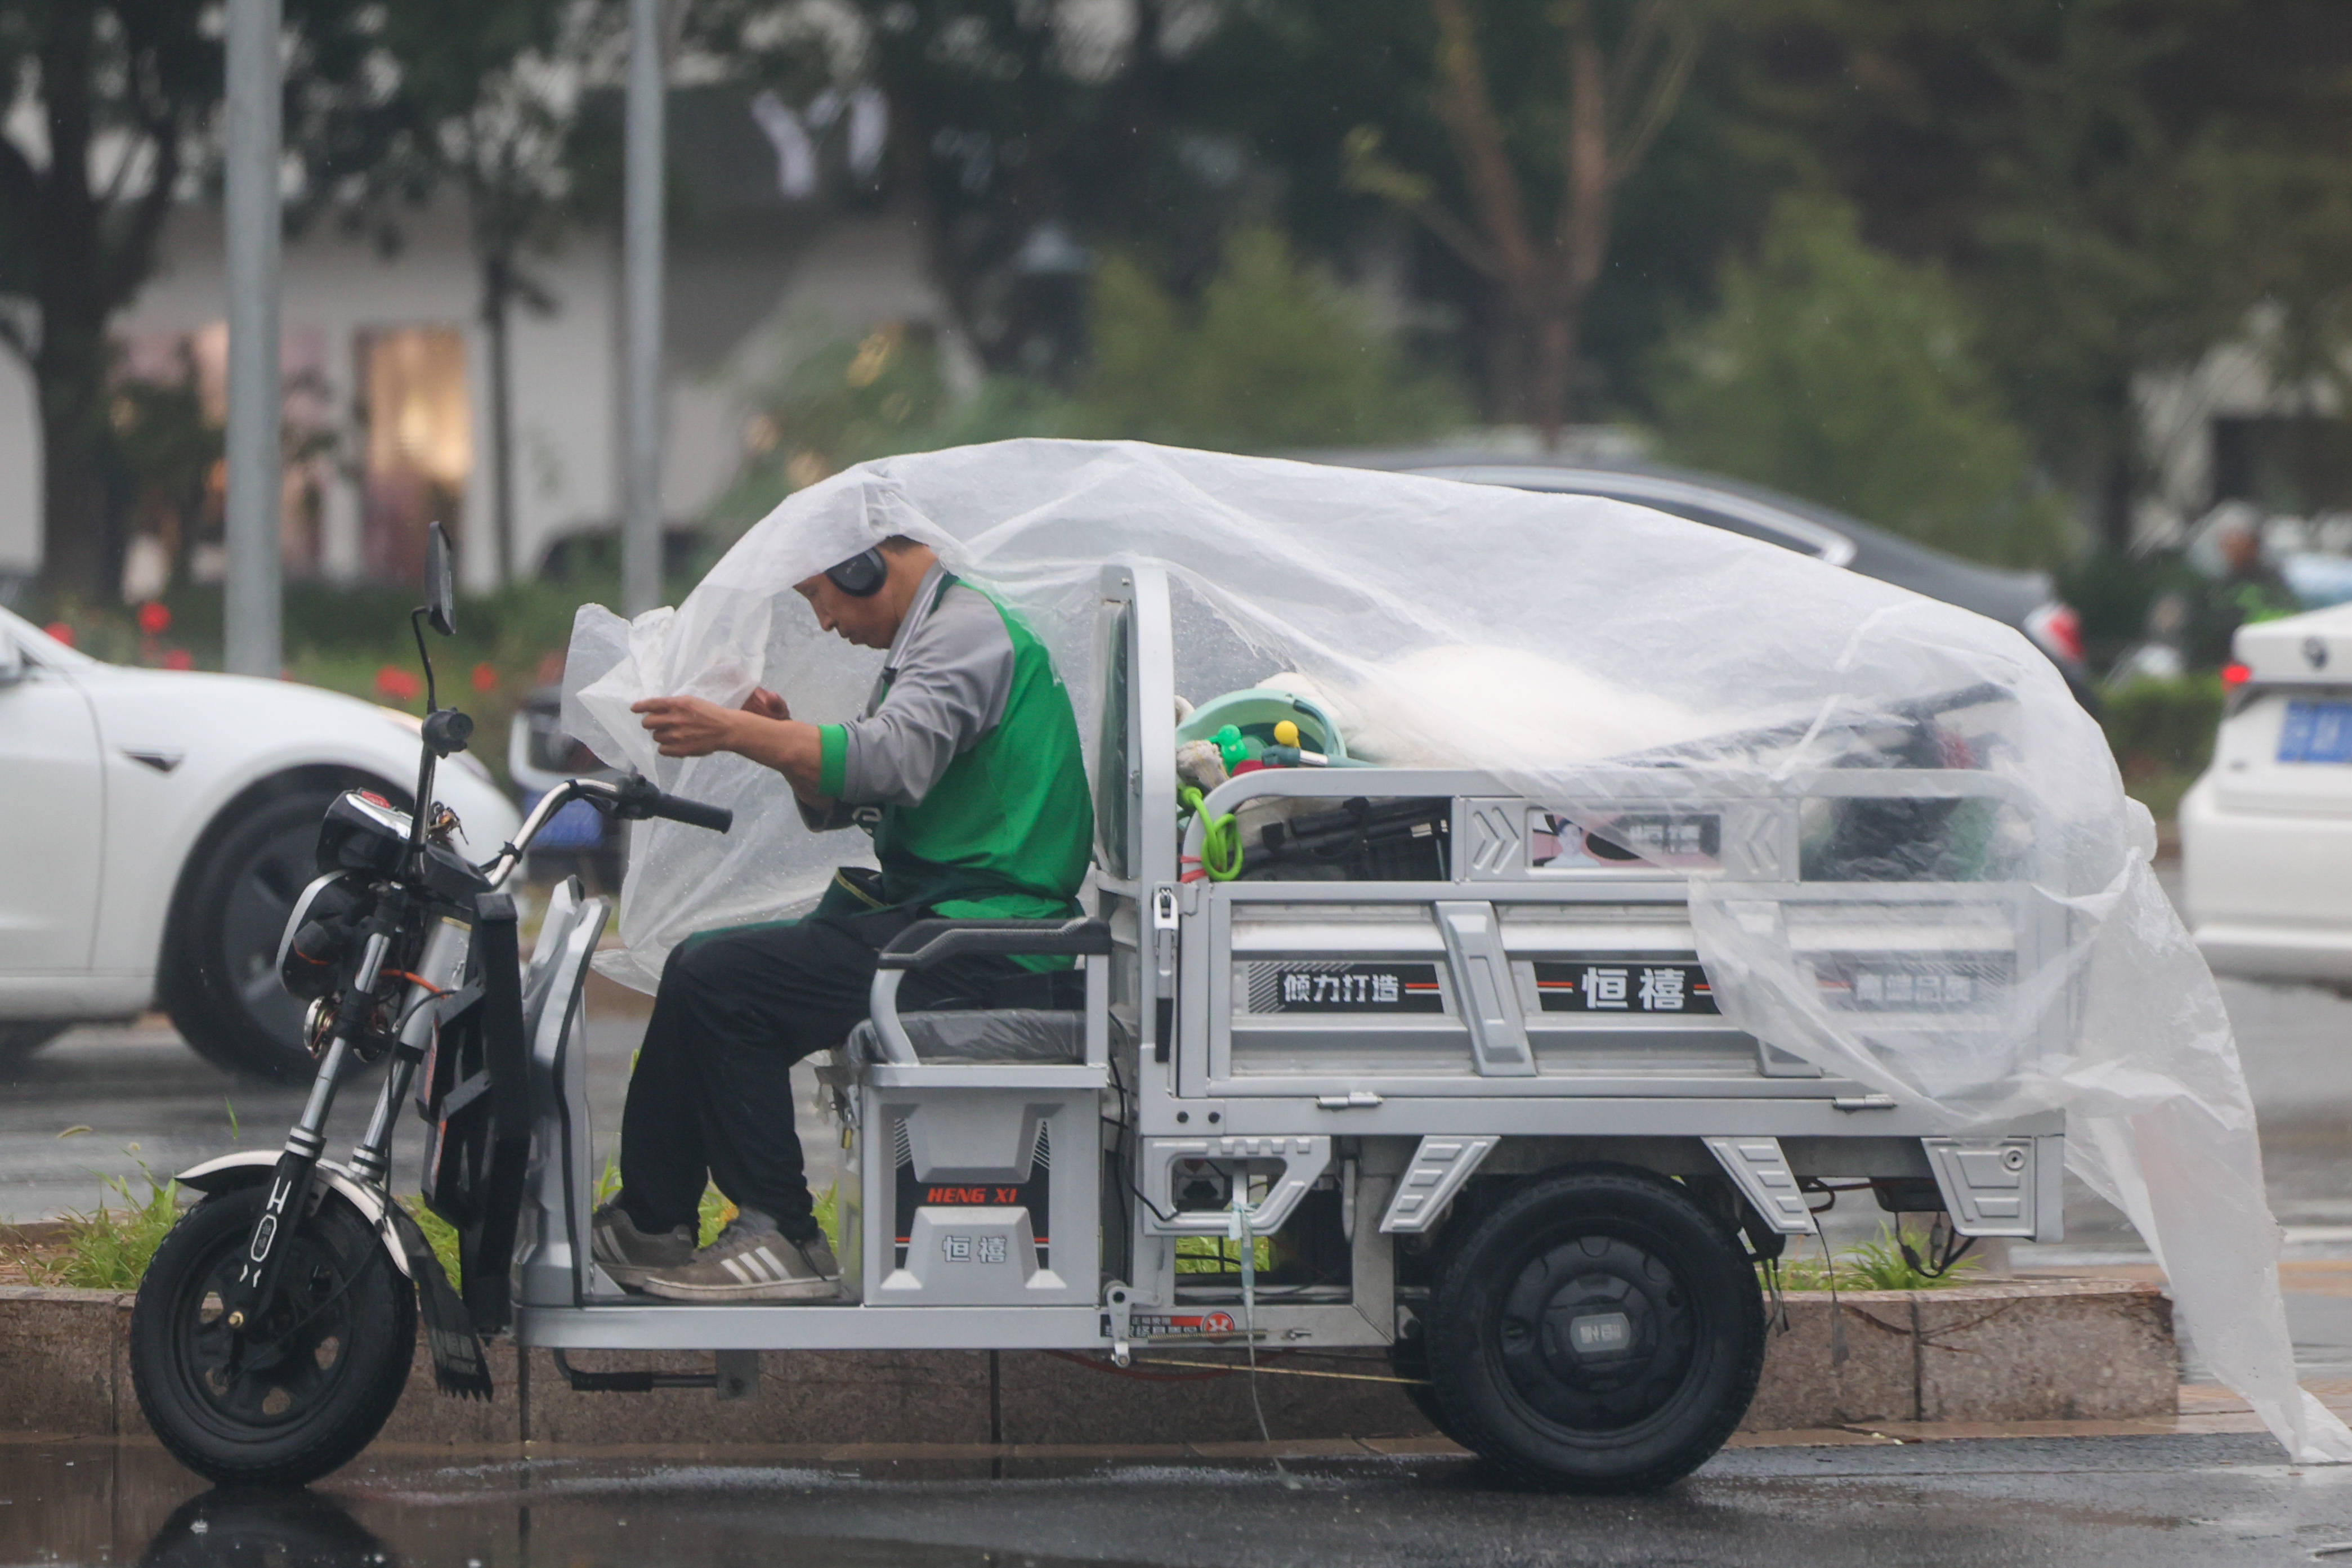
{"points": [[397, 684], [154, 618], [178, 658], [486, 679], [60, 631]]}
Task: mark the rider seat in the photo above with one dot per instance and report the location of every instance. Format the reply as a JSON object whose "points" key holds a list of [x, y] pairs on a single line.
{"points": [[981, 1127]]}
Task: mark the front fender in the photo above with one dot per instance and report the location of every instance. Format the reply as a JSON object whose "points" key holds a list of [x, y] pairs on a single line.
{"points": [[252, 1167]]}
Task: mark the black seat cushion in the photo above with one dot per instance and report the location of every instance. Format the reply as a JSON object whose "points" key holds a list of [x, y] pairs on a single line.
{"points": [[1007, 1035]]}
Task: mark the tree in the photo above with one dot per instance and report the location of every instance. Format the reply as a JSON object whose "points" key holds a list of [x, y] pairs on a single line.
{"points": [[1021, 136], [2116, 184], [1568, 149], [125, 93], [1273, 356], [1840, 374], [486, 103]]}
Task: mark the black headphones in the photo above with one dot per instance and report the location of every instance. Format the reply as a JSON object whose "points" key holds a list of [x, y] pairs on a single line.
{"points": [[862, 575]]}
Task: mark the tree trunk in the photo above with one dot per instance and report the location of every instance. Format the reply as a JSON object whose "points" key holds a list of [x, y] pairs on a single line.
{"points": [[2116, 485], [1555, 335], [1582, 247], [1508, 367], [497, 306], [2119, 473], [79, 556], [70, 365]]}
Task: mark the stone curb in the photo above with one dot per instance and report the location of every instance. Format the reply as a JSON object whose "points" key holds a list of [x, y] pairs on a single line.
{"points": [[2001, 1351], [1998, 1353]]}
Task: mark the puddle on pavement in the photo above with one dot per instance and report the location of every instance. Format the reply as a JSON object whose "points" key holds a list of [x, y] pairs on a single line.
{"points": [[103, 1503]]}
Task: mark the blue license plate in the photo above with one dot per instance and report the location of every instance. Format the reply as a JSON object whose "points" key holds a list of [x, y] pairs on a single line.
{"points": [[2316, 732], [579, 826]]}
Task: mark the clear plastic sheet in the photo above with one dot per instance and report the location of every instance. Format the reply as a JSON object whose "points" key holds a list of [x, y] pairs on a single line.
{"points": [[1550, 641]]}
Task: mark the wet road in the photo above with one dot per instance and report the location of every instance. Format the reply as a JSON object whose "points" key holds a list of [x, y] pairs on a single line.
{"points": [[141, 1086], [2147, 1502], [132, 1097]]}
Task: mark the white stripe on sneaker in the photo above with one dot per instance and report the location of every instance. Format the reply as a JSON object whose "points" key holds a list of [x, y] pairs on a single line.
{"points": [[776, 1271], [735, 1267]]}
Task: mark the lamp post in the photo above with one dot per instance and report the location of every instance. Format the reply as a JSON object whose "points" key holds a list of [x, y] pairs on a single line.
{"points": [[640, 291], [256, 466]]}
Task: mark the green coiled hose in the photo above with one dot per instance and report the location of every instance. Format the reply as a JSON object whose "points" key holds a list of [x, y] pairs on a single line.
{"points": [[1220, 838]]}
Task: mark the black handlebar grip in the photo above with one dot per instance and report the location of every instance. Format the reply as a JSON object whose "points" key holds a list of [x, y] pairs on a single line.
{"points": [[693, 813]]}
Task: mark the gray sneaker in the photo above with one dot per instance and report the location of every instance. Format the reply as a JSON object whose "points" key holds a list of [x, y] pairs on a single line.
{"points": [[749, 1265], [629, 1254]]}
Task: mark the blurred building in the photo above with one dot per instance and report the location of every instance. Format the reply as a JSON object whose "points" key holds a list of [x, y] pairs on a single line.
{"points": [[2231, 429], [387, 414]]}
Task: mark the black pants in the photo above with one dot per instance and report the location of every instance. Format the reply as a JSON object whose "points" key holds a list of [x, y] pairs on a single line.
{"points": [[711, 1095]]}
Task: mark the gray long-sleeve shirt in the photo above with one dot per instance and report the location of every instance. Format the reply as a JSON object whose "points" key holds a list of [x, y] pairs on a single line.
{"points": [[943, 686]]}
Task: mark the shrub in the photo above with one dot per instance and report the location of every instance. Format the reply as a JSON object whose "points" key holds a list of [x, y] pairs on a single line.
{"points": [[840, 401], [1275, 355], [2170, 725], [1889, 1261], [1839, 373]]}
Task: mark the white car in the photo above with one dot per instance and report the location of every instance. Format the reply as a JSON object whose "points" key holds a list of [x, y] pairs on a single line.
{"points": [[154, 828], [2266, 834]]}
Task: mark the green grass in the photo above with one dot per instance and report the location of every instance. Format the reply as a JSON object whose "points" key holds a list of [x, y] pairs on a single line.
{"points": [[1877, 1264], [439, 1234], [1220, 1254], [108, 1248]]}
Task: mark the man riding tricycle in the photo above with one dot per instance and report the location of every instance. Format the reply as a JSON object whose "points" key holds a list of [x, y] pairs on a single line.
{"points": [[1308, 907]]}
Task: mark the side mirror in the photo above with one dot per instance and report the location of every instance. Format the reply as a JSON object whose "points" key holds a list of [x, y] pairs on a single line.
{"points": [[440, 596]]}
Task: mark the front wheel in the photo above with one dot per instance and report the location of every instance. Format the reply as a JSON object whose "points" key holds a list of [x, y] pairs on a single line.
{"points": [[312, 1380], [1596, 1331]]}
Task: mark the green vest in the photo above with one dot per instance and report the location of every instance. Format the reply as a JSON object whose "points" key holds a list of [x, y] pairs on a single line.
{"points": [[1008, 830]]}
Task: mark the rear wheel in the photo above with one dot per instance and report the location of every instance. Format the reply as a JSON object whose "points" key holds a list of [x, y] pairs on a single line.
{"points": [[1409, 1358], [305, 1388], [1598, 1331], [220, 968]]}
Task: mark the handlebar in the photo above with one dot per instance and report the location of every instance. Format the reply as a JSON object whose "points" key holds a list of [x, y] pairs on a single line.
{"points": [[633, 798], [638, 800]]}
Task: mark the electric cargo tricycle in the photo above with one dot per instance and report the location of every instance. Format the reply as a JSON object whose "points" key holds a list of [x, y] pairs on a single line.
{"points": [[1380, 1057]]}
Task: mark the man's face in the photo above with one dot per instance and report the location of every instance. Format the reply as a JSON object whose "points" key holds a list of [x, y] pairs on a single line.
{"points": [[869, 622]]}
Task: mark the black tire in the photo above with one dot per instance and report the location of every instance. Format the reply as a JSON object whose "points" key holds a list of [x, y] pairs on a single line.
{"points": [[220, 964], [271, 1411], [1633, 1257], [20, 1041], [1409, 1357], [261, 1526]]}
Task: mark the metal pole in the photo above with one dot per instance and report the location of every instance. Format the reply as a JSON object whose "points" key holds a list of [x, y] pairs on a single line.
{"points": [[641, 287], [254, 465]]}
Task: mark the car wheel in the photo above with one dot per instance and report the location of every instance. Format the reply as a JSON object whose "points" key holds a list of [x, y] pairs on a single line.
{"points": [[220, 965], [19, 1040], [1596, 1331]]}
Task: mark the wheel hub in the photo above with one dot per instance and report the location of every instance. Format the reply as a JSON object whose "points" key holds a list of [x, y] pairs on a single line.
{"points": [[279, 1367], [1596, 1333]]}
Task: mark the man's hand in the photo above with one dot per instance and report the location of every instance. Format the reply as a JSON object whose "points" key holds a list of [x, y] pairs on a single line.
{"points": [[694, 727], [762, 729]]}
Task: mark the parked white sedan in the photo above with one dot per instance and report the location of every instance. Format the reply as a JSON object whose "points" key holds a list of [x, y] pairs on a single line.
{"points": [[154, 828], [2266, 834]]}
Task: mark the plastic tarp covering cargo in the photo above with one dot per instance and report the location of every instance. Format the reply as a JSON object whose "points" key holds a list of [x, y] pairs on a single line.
{"points": [[1566, 644]]}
